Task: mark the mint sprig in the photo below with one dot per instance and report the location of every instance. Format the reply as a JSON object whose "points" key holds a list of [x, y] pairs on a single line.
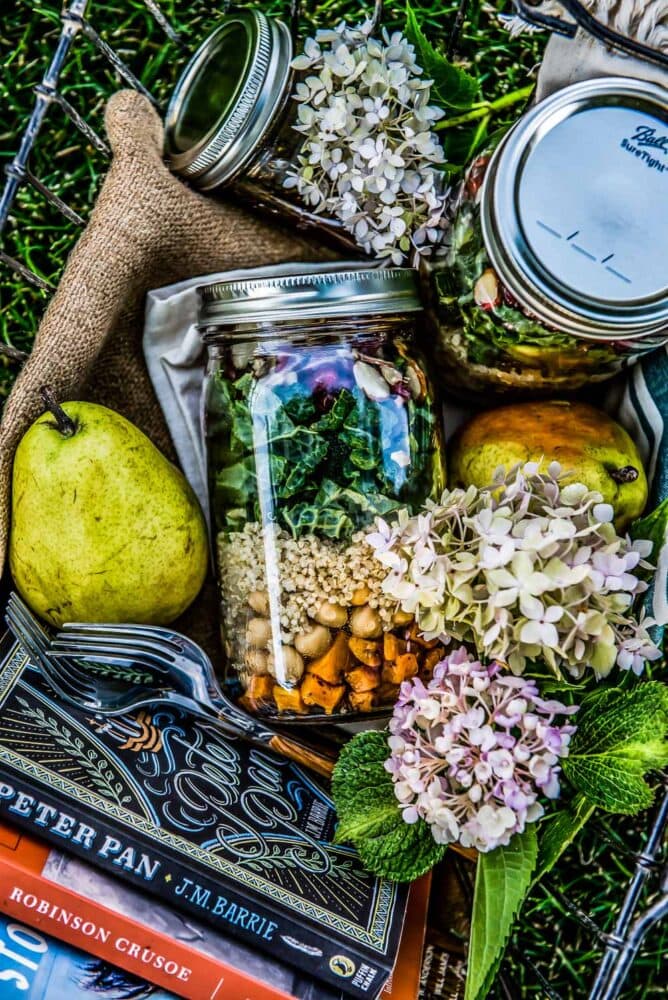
{"points": [[621, 736], [370, 817]]}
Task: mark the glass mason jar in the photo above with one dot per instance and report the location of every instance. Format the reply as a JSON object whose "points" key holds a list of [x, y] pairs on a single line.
{"points": [[230, 120], [320, 417], [555, 272]]}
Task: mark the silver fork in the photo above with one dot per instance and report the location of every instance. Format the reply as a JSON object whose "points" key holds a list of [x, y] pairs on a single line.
{"points": [[80, 686]]}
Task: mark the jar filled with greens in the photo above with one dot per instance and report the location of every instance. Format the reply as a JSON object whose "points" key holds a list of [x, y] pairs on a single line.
{"points": [[320, 418], [554, 275]]}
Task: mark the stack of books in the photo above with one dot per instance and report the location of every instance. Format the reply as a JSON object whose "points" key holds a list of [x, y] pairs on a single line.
{"points": [[156, 846]]}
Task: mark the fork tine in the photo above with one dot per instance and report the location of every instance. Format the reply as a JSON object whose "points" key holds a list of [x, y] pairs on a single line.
{"points": [[32, 626], [23, 636], [136, 651], [112, 658], [22, 621], [130, 641], [53, 676], [84, 656], [39, 637], [37, 641], [66, 673], [153, 632]]}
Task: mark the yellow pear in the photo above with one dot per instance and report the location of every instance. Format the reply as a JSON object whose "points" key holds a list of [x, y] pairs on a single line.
{"points": [[590, 447], [103, 527]]}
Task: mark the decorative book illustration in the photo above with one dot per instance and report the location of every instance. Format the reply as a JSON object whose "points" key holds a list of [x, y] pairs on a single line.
{"points": [[237, 836]]}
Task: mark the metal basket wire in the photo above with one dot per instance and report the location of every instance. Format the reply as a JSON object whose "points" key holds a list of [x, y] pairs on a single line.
{"points": [[644, 901]]}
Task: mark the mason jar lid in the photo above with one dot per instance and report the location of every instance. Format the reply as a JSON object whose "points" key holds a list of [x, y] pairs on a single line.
{"points": [[574, 209], [227, 97], [321, 294]]}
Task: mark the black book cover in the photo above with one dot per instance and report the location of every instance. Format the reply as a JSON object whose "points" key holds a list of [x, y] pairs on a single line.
{"points": [[239, 837]]}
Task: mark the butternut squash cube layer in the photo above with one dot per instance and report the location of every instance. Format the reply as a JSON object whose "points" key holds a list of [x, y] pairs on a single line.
{"points": [[356, 673]]}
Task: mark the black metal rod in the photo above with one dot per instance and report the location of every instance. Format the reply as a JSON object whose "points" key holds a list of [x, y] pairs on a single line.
{"points": [[294, 18], [54, 199], [111, 56], [618, 942], [644, 923], [457, 25], [94, 139], [164, 23], [72, 19], [377, 16], [25, 272]]}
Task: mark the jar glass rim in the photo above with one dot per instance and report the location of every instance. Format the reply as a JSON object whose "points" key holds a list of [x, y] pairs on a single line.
{"points": [[227, 97]]}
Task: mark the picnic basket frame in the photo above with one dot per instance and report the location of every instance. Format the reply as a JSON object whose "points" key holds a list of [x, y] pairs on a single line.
{"points": [[618, 948]]}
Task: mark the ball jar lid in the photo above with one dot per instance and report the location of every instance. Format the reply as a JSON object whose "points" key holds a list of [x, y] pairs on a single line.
{"points": [[227, 97], [574, 209], [330, 292]]}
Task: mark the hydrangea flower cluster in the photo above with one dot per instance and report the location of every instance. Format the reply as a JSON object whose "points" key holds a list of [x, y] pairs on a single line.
{"points": [[473, 751], [527, 569], [370, 156]]}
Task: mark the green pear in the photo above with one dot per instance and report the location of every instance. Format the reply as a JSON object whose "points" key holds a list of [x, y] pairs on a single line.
{"points": [[103, 527], [590, 447]]}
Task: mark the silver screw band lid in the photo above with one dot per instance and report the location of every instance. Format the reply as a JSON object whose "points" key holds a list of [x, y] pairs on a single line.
{"points": [[574, 209], [227, 98], [330, 292]]}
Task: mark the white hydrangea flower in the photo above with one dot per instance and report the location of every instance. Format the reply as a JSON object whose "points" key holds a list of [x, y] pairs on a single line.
{"points": [[370, 157], [523, 570]]}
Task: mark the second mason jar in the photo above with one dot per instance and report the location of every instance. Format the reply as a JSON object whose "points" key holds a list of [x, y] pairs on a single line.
{"points": [[231, 120], [320, 418], [554, 270]]}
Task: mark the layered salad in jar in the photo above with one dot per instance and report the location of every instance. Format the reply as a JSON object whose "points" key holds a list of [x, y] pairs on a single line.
{"points": [[308, 444]]}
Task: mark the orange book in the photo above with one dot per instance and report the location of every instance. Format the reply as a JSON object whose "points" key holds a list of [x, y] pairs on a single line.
{"points": [[62, 896], [404, 983]]}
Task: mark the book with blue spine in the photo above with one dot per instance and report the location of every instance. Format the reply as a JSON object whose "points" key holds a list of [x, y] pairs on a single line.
{"points": [[240, 837], [34, 966]]}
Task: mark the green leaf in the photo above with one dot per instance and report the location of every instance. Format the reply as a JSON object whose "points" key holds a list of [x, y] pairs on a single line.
{"points": [[305, 518], [453, 87], [503, 879], [334, 418], [558, 831], [403, 855], [234, 484], [300, 409], [654, 527], [370, 817], [621, 735]]}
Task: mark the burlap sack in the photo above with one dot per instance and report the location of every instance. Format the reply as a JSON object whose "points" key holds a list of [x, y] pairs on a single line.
{"points": [[146, 230]]}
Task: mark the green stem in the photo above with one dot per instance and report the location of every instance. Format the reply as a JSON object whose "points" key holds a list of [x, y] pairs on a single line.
{"points": [[488, 108]]}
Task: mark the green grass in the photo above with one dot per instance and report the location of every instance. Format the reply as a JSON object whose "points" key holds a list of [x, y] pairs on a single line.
{"points": [[593, 871], [592, 874]]}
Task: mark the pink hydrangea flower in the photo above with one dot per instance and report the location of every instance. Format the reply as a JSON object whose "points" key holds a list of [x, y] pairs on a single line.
{"points": [[474, 751]]}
